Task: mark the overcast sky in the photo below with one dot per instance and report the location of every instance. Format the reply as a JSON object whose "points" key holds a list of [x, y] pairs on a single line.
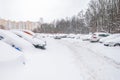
{"points": [[22, 10]]}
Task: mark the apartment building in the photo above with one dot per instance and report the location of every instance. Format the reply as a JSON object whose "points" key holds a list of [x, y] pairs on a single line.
{"points": [[8, 24]]}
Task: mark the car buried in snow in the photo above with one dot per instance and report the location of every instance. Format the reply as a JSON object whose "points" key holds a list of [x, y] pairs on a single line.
{"points": [[112, 36], [34, 35], [57, 37], [97, 36], [113, 42], [86, 37], [13, 40], [33, 40]]}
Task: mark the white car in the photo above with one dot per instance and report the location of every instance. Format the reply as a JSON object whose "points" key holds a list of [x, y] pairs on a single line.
{"points": [[86, 37], [33, 40], [34, 35], [112, 36], [97, 36], [72, 36], [10, 56], [13, 40], [113, 42]]}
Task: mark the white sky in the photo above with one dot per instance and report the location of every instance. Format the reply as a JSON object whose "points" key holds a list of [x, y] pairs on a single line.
{"points": [[22, 10]]}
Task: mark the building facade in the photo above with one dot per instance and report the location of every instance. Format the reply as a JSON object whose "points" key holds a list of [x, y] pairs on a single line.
{"points": [[7, 24]]}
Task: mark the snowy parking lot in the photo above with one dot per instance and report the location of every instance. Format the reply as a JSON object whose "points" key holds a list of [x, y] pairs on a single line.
{"points": [[67, 59]]}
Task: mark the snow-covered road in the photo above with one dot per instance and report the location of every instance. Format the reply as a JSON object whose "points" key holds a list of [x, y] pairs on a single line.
{"points": [[66, 60], [93, 65], [55, 63]]}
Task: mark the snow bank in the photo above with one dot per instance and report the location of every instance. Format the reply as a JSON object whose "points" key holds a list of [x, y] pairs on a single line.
{"points": [[10, 56]]}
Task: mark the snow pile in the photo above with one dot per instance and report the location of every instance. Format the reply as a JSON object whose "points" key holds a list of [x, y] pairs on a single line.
{"points": [[9, 55]]}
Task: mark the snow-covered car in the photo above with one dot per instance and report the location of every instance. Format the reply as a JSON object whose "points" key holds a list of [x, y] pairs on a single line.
{"points": [[13, 40], [72, 36], [97, 36], [34, 35], [77, 36], [33, 40], [86, 37], [113, 42], [57, 37], [10, 56], [112, 36]]}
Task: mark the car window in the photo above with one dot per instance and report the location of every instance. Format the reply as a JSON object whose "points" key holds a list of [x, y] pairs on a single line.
{"points": [[1, 37], [103, 35]]}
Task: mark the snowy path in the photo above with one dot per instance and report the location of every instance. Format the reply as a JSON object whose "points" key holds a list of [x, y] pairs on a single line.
{"points": [[93, 66], [63, 60], [54, 63]]}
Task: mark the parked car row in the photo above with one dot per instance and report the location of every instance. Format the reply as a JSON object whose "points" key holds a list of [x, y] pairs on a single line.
{"points": [[13, 40], [104, 38], [68, 36], [30, 37], [17, 39], [14, 43]]}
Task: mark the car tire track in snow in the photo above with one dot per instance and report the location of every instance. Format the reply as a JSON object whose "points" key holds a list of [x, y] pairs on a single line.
{"points": [[87, 73], [96, 66], [55, 63], [107, 59]]}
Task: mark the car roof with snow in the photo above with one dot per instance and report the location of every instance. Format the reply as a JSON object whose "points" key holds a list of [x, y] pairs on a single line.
{"points": [[12, 38], [99, 33], [28, 37], [112, 36], [117, 39]]}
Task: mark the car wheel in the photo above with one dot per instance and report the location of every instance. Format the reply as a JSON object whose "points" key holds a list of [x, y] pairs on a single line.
{"points": [[117, 44], [42, 47], [106, 44]]}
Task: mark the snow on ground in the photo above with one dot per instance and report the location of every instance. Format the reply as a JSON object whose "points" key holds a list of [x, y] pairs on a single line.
{"points": [[69, 59], [111, 53], [99, 62], [56, 63]]}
